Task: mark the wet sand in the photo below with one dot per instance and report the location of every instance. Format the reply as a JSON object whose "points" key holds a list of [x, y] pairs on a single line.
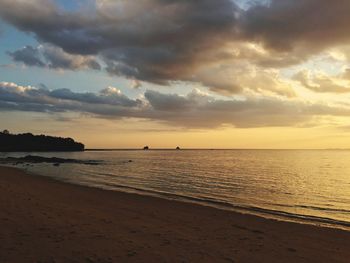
{"points": [[42, 220]]}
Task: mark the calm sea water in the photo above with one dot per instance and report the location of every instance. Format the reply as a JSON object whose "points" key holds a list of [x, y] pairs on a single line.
{"points": [[308, 185]]}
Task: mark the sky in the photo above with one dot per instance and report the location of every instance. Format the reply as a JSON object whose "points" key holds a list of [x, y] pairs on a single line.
{"points": [[164, 73]]}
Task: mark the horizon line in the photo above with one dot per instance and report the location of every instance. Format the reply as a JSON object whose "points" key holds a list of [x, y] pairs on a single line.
{"points": [[192, 149]]}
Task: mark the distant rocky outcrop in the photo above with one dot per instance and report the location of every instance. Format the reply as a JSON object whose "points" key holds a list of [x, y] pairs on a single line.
{"points": [[146, 148], [28, 142], [178, 148]]}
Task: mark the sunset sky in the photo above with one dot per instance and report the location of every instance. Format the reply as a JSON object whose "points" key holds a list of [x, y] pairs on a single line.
{"points": [[163, 73]]}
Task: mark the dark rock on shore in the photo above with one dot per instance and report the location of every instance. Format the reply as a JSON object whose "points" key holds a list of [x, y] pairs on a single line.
{"points": [[30, 159]]}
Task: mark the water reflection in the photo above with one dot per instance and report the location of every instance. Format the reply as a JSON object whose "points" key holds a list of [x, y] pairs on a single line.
{"points": [[313, 183]]}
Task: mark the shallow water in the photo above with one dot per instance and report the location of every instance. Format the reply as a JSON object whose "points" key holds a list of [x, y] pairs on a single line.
{"points": [[311, 185]]}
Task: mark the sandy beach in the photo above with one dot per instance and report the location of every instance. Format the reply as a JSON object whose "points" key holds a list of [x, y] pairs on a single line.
{"points": [[47, 221]]}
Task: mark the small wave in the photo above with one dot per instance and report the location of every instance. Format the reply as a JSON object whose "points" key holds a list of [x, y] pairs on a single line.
{"points": [[324, 208], [317, 208]]}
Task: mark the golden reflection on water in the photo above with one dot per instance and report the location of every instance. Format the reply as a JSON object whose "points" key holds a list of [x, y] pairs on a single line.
{"points": [[299, 182]]}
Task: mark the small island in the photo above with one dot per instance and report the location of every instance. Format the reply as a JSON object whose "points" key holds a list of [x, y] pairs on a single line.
{"points": [[28, 142]]}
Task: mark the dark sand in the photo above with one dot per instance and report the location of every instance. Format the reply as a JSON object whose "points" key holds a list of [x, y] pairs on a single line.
{"points": [[42, 220]]}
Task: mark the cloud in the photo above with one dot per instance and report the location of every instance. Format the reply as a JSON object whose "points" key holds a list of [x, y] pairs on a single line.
{"points": [[346, 74], [158, 41], [287, 25], [108, 102], [7, 66], [108, 96], [168, 103], [53, 57], [28, 55], [240, 77], [194, 110], [199, 110], [136, 84], [165, 41], [322, 83]]}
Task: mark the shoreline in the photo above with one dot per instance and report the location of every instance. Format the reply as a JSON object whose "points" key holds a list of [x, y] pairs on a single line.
{"points": [[253, 211], [52, 221]]}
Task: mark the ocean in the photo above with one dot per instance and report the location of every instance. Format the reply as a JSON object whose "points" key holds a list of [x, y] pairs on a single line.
{"points": [[310, 186]]}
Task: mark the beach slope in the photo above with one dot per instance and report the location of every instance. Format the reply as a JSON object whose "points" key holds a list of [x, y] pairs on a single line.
{"points": [[43, 220]]}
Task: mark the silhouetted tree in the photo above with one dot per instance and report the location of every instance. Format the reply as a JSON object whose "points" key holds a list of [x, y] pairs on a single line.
{"points": [[28, 142]]}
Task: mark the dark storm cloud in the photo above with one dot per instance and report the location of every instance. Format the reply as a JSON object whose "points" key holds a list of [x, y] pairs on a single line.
{"points": [[195, 110], [151, 40], [285, 25], [161, 41], [142, 23]]}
